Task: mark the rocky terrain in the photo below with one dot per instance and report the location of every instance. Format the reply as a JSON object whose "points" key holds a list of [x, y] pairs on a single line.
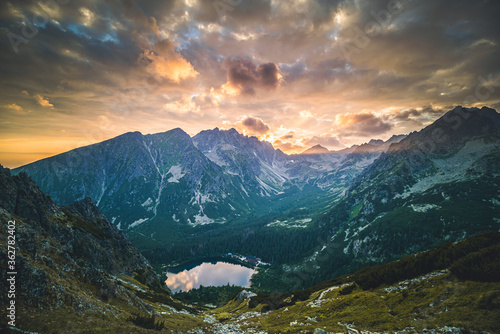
{"points": [[73, 267]]}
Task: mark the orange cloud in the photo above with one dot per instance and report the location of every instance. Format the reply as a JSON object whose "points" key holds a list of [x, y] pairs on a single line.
{"points": [[364, 124], [14, 106], [253, 126], [162, 62], [183, 105], [44, 102]]}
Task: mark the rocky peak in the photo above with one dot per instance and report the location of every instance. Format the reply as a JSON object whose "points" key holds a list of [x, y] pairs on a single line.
{"points": [[21, 196], [316, 149]]}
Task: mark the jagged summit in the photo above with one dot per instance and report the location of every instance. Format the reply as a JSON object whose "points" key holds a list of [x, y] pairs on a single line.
{"points": [[316, 149]]}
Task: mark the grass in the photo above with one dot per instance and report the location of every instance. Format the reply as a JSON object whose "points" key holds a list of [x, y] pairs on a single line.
{"points": [[433, 303]]}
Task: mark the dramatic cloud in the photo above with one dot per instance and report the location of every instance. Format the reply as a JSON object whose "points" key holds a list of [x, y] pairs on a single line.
{"points": [[243, 76], [162, 62], [361, 125], [253, 126]]}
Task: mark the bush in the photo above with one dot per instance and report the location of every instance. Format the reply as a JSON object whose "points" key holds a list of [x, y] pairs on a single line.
{"points": [[147, 322]]}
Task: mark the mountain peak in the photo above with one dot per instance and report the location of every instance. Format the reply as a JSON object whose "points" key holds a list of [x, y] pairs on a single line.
{"points": [[316, 149]]}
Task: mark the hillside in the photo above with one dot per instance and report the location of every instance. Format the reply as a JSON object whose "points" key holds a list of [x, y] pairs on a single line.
{"points": [[73, 269]]}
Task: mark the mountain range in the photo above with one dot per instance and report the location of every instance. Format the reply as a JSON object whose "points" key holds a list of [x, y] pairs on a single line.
{"points": [[152, 185], [179, 197], [70, 270], [439, 184]]}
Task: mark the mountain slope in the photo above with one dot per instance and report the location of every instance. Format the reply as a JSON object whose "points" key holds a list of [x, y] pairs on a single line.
{"points": [[439, 184], [136, 179], [73, 269]]}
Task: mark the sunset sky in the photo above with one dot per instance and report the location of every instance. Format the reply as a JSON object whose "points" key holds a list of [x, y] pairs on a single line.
{"points": [[295, 73]]}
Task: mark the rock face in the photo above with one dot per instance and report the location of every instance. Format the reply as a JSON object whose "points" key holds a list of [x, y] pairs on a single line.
{"points": [[68, 256]]}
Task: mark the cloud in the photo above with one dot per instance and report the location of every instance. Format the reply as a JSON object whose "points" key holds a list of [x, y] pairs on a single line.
{"points": [[183, 105], [243, 76], [253, 126], [130, 58], [363, 124], [14, 106], [162, 62], [421, 115], [44, 102]]}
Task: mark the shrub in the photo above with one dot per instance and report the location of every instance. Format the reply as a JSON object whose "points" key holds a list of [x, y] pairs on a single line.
{"points": [[147, 322]]}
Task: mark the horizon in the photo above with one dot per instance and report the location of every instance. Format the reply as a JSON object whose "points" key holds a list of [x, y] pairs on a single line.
{"points": [[295, 74], [241, 133]]}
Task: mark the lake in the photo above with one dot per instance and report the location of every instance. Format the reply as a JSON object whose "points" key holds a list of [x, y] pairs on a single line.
{"points": [[208, 274]]}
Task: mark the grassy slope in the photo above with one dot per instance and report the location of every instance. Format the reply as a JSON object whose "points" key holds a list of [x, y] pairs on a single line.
{"points": [[433, 303], [465, 294]]}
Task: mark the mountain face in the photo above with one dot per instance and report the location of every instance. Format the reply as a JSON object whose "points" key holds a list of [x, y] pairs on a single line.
{"points": [[69, 261], [135, 178], [268, 172], [77, 273], [439, 184]]}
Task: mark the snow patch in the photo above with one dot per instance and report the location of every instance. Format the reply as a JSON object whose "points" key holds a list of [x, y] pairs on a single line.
{"points": [[148, 202], [201, 219], [177, 174], [138, 222], [199, 198], [424, 207], [293, 223]]}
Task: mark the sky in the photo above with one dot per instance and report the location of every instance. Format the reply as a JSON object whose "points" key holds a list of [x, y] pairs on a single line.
{"points": [[295, 73]]}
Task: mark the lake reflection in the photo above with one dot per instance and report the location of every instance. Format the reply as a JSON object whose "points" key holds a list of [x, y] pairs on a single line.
{"points": [[209, 274]]}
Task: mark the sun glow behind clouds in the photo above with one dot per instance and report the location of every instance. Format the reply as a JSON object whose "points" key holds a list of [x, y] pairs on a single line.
{"points": [[156, 65]]}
